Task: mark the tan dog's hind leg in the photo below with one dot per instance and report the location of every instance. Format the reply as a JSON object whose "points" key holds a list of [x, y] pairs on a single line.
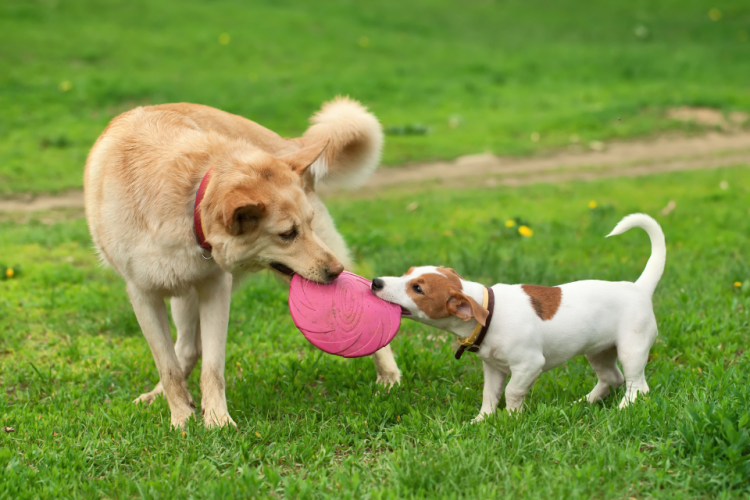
{"points": [[188, 345], [152, 317], [385, 363], [215, 295]]}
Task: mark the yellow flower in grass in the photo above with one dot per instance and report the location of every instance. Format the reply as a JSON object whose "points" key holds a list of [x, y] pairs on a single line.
{"points": [[525, 231], [737, 284], [510, 223], [9, 273], [592, 204]]}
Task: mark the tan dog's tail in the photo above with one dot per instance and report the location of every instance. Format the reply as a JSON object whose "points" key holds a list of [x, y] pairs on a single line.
{"points": [[356, 140], [655, 265]]}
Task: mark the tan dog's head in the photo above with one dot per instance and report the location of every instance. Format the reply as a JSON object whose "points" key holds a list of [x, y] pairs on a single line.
{"points": [[256, 215], [431, 295]]}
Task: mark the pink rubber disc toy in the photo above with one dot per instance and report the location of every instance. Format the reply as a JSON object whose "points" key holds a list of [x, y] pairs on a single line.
{"points": [[343, 317]]}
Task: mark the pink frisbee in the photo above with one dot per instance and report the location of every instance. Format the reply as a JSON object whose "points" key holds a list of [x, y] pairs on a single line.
{"points": [[343, 317]]}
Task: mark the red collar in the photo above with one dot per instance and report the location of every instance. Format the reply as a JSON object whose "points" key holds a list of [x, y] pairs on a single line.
{"points": [[197, 213]]}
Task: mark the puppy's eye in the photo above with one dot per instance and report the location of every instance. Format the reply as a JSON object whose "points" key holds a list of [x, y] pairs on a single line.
{"points": [[417, 289], [289, 234]]}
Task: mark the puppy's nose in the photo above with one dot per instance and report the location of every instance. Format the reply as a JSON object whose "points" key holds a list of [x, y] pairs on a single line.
{"points": [[333, 272], [377, 284]]}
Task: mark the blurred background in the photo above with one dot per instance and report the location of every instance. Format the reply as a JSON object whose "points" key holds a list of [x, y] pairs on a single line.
{"points": [[446, 78]]}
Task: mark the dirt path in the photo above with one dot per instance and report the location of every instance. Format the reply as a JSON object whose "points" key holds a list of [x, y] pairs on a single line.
{"points": [[625, 159]]}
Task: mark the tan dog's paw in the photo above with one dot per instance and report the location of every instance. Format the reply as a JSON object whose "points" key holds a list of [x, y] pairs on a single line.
{"points": [[180, 418], [212, 419], [149, 397], [389, 379]]}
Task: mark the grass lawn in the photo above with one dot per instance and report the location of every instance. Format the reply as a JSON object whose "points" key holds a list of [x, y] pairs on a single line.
{"points": [[316, 426], [474, 75]]}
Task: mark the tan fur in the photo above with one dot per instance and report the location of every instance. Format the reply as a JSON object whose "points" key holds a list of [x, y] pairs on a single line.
{"points": [[544, 299], [140, 183]]}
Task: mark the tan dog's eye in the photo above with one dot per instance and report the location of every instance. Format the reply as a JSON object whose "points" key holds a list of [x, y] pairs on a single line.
{"points": [[289, 234], [417, 289]]}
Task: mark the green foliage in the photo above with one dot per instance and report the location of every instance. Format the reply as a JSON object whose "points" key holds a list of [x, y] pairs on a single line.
{"points": [[445, 77], [312, 425]]}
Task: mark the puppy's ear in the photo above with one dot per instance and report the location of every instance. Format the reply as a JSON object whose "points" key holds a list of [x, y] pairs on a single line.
{"points": [[241, 214], [451, 270], [464, 307]]}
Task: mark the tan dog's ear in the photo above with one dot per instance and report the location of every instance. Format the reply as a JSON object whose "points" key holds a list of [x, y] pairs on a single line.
{"points": [[301, 159], [241, 214], [464, 307]]}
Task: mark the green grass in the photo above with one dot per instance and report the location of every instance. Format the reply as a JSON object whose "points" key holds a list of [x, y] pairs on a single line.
{"points": [[313, 426], [476, 75]]}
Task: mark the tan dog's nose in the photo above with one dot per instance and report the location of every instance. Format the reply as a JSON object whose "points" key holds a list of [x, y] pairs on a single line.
{"points": [[333, 271]]}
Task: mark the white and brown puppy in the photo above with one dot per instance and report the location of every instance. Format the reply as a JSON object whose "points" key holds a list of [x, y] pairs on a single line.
{"points": [[182, 199], [533, 329]]}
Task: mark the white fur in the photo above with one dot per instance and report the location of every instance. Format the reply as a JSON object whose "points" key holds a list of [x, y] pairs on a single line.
{"points": [[605, 321]]}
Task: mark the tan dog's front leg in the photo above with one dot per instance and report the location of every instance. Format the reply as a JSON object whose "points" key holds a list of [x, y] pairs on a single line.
{"points": [[214, 295], [385, 365], [152, 317]]}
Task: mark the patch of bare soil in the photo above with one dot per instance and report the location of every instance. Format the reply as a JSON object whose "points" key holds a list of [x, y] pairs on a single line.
{"points": [[625, 159]]}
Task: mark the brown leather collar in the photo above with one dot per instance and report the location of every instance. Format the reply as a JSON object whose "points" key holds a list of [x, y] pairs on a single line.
{"points": [[478, 342]]}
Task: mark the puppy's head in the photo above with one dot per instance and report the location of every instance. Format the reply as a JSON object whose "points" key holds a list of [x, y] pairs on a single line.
{"points": [[431, 295], [256, 215]]}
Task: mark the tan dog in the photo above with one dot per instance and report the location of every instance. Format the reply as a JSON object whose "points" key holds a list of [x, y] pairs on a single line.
{"points": [[259, 210]]}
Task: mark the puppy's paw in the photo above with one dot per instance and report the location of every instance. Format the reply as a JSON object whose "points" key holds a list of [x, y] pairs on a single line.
{"points": [[389, 379], [213, 419]]}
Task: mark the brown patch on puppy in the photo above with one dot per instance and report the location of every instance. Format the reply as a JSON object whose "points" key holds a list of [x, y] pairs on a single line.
{"points": [[544, 299], [436, 290]]}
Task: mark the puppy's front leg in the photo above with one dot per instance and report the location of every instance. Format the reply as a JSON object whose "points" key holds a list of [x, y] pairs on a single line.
{"points": [[522, 378], [494, 383], [214, 295]]}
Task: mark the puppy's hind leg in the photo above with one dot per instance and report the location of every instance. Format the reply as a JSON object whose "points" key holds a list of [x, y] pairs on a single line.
{"points": [[188, 346], [605, 365], [634, 357], [494, 383]]}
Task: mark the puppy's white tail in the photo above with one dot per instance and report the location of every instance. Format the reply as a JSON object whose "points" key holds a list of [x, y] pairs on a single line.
{"points": [[655, 265], [355, 141]]}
